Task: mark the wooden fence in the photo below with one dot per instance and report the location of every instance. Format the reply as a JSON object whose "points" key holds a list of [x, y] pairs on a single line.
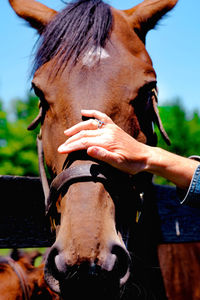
{"points": [[23, 223], [168, 234]]}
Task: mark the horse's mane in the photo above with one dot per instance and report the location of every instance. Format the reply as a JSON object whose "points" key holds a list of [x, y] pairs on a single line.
{"points": [[80, 26]]}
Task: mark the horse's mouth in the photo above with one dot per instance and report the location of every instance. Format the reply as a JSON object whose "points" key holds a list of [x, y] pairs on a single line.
{"points": [[86, 279], [90, 286]]}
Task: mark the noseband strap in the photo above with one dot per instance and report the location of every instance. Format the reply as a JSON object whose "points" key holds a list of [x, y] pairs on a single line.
{"points": [[88, 172], [82, 173], [111, 178]]}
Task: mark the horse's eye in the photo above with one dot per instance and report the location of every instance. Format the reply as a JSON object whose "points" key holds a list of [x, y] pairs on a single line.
{"points": [[41, 96], [145, 95], [143, 100]]}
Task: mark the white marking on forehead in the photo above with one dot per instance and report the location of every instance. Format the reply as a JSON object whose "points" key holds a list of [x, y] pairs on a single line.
{"points": [[94, 55]]}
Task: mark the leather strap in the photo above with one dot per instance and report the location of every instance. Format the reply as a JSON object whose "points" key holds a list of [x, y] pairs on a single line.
{"points": [[21, 275], [82, 173], [43, 177]]}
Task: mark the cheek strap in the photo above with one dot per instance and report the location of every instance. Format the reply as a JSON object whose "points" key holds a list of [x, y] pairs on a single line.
{"points": [[156, 117]]}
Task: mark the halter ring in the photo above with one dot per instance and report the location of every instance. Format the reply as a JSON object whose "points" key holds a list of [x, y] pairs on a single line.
{"points": [[100, 123]]}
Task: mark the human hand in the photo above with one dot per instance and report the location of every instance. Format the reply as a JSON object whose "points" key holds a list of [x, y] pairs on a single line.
{"points": [[108, 143]]}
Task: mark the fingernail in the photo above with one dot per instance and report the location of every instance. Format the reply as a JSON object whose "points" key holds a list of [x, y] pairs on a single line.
{"points": [[84, 111], [66, 131], [61, 148]]}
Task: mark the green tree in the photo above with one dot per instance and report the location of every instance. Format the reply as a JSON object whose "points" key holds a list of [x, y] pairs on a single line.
{"points": [[183, 130], [18, 154], [3, 126]]}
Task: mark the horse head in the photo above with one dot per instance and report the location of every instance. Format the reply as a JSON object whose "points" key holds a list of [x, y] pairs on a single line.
{"points": [[21, 279], [18, 275], [92, 56]]}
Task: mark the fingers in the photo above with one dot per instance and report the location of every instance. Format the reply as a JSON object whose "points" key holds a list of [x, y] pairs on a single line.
{"points": [[90, 124], [103, 155], [81, 136], [97, 115], [86, 133], [76, 144]]}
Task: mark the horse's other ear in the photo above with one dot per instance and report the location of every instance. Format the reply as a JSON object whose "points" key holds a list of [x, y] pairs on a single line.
{"points": [[15, 254], [31, 256], [37, 14], [144, 16]]}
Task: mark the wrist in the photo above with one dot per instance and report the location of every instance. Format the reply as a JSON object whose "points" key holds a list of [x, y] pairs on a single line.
{"points": [[177, 169], [140, 159], [155, 160]]}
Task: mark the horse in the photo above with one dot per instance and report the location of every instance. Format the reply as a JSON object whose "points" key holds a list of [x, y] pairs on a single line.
{"points": [[93, 56], [20, 279]]}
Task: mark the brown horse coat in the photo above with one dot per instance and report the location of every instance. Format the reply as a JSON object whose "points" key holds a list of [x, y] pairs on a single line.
{"points": [[107, 68], [20, 279]]}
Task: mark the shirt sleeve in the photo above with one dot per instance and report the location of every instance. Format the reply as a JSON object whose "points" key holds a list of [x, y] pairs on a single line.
{"points": [[191, 196]]}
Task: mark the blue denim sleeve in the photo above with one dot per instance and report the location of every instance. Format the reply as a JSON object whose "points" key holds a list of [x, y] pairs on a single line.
{"points": [[192, 196]]}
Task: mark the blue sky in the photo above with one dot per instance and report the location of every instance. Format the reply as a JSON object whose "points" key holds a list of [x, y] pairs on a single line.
{"points": [[174, 48]]}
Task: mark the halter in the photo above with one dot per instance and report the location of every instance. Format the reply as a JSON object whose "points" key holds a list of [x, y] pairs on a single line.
{"points": [[21, 276], [117, 183], [88, 172]]}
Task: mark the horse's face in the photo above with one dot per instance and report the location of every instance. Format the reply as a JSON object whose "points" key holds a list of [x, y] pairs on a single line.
{"points": [[117, 79], [109, 83]]}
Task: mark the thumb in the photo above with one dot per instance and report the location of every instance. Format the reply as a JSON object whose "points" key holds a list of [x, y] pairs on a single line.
{"points": [[101, 154]]}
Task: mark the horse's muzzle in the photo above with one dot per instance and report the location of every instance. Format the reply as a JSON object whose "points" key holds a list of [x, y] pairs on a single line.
{"points": [[86, 278]]}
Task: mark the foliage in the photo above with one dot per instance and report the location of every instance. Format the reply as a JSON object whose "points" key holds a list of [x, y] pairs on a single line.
{"points": [[18, 155], [38, 261], [18, 146], [183, 130]]}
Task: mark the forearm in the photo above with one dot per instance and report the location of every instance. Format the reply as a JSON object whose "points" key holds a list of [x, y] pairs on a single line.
{"points": [[175, 168]]}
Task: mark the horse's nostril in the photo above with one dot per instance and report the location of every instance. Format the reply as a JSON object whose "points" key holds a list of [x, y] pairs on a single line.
{"points": [[51, 272], [51, 265], [122, 263]]}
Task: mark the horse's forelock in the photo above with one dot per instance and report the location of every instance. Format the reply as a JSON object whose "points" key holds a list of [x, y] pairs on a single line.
{"points": [[80, 26]]}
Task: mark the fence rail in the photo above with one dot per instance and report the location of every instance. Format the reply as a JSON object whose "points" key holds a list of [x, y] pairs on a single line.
{"points": [[23, 223], [22, 219]]}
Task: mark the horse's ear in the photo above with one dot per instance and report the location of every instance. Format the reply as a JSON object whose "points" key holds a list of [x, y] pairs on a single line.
{"points": [[144, 16], [37, 14], [15, 254], [31, 256]]}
